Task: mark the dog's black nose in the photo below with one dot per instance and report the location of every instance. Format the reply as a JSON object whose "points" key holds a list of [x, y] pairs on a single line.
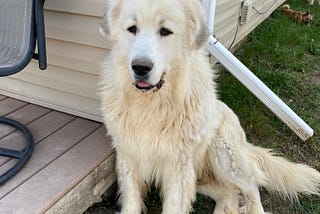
{"points": [[141, 67]]}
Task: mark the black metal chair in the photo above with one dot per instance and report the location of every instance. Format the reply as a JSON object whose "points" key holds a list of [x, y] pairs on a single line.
{"points": [[21, 28]]}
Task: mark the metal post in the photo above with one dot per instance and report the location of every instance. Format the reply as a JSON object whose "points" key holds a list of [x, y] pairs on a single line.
{"points": [[39, 17]]}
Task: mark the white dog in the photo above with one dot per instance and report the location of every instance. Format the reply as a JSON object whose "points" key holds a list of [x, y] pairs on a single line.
{"points": [[168, 127]]}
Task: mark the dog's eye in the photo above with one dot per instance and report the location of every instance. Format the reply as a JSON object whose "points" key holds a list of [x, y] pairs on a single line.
{"points": [[133, 29], [165, 32]]}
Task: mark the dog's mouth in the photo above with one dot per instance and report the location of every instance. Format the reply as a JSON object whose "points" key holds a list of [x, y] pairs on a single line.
{"points": [[145, 86]]}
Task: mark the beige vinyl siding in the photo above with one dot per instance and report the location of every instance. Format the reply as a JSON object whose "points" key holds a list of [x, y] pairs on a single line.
{"points": [[227, 16], [75, 48]]}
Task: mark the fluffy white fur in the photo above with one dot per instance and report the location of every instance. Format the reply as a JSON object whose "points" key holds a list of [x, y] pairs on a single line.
{"points": [[180, 136]]}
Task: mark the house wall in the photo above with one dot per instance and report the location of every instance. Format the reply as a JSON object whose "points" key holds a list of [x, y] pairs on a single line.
{"points": [[75, 48]]}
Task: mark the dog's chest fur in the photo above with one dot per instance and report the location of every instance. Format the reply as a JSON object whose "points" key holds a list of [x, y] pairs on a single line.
{"points": [[156, 133], [161, 126], [149, 121]]}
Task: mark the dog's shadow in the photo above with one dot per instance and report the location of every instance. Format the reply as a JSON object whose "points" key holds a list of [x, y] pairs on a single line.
{"points": [[109, 205]]}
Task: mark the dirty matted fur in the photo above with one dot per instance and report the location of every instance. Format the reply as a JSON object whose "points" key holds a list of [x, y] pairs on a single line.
{"points": [[160, 106]]}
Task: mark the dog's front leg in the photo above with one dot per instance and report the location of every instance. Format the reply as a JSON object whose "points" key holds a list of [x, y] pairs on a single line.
{"points": [[129, 185], [178, 186]]}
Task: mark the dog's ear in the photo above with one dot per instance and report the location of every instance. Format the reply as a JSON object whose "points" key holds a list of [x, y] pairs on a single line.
{"points": [[110, 17], [202, 35], [197, 27]]}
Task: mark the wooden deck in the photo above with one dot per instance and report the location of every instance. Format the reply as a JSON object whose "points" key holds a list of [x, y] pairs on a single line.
{"points": [[72, 164]]}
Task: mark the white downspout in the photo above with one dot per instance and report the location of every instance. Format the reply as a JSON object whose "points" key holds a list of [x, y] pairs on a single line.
{"points": [[253, 83], [210, 7]]}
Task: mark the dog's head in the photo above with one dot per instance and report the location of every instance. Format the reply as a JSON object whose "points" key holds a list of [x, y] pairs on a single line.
{"points": [[307, 18], [151, 36]]}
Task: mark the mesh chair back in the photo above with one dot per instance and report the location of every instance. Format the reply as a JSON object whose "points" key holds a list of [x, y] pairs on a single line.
{"points": [[17, 37]]}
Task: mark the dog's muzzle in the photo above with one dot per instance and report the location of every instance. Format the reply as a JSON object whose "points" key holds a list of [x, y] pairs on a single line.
{"points": [[142, 68]]}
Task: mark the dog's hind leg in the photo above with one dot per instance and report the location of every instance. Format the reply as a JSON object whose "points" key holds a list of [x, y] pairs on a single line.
{"points": [[252, 201], [227, 199]]}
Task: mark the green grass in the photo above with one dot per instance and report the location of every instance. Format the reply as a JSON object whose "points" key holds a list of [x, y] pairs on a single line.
{"points": [[286, 57]]}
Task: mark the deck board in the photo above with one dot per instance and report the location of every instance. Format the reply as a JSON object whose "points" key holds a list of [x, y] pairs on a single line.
{"points": [[45, 183], [49, 150], [40, 129], [24, 115], [68, 149], [9, 105]]}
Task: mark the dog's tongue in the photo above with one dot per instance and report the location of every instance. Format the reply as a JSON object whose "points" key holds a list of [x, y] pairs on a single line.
{"points": [[143, 84]]}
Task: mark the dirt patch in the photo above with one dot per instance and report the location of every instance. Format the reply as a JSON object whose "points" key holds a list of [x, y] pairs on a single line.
{"points": [[315, 79]]}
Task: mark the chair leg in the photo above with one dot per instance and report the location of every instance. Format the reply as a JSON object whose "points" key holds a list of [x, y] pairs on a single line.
{"points": [[22, 156], [40, 31]]}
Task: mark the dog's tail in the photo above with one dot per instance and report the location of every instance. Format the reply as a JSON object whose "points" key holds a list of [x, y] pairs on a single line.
{"points": [[285, 7], [286, 178]]}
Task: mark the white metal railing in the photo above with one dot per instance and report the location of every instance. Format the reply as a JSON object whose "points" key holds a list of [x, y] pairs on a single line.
{"points": [[249, 80]]}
